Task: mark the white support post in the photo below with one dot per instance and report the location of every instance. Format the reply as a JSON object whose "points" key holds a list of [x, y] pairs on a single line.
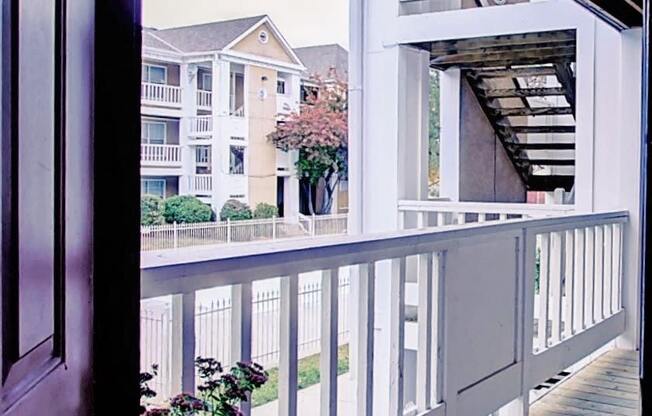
{"points": [[241, 330], [328, 351], [569, 283], [580, 287], [175, 237], [397, 336], [589, 276], [607, 270], [599, 274], [425, 331], [287, 389], [313, 225], [365, 354], [182, 371], [228, 230], [273, 227]]}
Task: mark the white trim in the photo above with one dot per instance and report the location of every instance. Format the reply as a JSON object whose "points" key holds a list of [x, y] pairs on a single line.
{"points": [[251, 59], [275, 31], [162, 55]]}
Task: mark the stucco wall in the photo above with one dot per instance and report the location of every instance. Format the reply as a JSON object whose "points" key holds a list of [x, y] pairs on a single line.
{"points": [[486, 173], [262, 121]]}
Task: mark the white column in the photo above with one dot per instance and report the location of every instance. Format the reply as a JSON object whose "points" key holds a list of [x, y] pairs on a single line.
{"points": [[291, 184], [188, 81], [220, 139], [449, 144]]}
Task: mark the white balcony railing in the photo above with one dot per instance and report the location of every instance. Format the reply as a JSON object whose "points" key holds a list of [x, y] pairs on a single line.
{"points": [[161, 94], [160, 154], [204, 99], [440, 213], [201, 126], [200, 184], [477, 344]]}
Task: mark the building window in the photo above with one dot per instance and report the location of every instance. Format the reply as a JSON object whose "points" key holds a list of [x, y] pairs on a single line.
{"points": [[236, 163], [152, 132], [155, 74], [154, 187], [236, 102], [207, 82], [280, 86], [203, 155]]}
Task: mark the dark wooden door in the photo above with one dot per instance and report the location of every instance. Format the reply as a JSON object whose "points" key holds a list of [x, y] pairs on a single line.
{"points": [[46, 207]]}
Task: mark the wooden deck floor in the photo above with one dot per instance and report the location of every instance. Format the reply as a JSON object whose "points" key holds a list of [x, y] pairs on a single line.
{"points": [[608, 386]]}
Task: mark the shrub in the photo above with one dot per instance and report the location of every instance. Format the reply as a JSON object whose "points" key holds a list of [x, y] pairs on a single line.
{"points": [[186, 209], [264, 210], [235, 210], [151, 210]]}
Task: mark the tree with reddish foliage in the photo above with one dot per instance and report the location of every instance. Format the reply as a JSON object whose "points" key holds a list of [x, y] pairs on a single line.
{"points": [[320, 134]]}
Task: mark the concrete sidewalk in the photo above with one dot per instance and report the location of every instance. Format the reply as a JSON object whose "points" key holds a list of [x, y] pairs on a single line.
{"points": [[309, 399]]}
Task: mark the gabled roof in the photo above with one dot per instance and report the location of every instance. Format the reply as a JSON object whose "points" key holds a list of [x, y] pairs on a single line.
{"points": [[205, 37], [320, 59]]}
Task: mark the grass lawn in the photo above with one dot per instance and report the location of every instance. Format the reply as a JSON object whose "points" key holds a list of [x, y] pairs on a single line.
{"points": [[308, 375]]}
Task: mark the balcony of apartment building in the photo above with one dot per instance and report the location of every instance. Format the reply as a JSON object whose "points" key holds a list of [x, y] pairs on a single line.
{"points": [[474, 303], [160, 85], [160, 151]]}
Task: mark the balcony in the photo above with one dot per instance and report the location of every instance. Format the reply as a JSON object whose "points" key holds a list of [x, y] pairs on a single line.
{"points": [[160, 94], [200, 184], [204, 100], [541, 286], [163, 155], [201, 127]]}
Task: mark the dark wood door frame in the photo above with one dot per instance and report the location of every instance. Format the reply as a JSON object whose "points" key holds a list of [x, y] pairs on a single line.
{"points": [[116, 276], [646, 211]]}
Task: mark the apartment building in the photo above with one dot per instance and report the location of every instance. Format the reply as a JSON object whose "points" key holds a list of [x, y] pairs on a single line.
{"points": [[210, 95]]}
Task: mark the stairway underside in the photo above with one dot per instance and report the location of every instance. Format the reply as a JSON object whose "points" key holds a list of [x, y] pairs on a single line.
{"points": [[525, 84]]}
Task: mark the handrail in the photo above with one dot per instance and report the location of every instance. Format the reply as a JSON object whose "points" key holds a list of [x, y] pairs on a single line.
{"points": [[492, 297], [484, 207]]}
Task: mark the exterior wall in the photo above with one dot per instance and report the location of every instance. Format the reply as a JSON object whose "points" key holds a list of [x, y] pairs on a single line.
{"points": [[262, 120], [272, 49], [486, 173]]}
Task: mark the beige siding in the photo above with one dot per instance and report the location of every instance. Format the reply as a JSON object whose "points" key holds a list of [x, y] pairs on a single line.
{"points": [[272, 49], [262, 121]]}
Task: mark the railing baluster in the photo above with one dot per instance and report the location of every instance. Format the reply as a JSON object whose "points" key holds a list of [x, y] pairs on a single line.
{"points": [[607, 271], [569, 284], [556, 264], [397, 334], [616, 253], [618, 278], [421, 219], [589, 276], [425, 331], [241, 330], [441, 219], [328, 352], [598, 290], [544, 292], [287, 369], [482, 217], [366, 318], [461, 218]]}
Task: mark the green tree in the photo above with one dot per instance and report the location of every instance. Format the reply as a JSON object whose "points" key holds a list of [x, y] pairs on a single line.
{"points": [[186, 209], [264, 210], [151, 210], [235, 210], [320, 134]]}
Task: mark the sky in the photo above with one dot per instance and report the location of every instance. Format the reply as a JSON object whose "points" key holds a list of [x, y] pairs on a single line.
{"points": [[302, 22]]}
